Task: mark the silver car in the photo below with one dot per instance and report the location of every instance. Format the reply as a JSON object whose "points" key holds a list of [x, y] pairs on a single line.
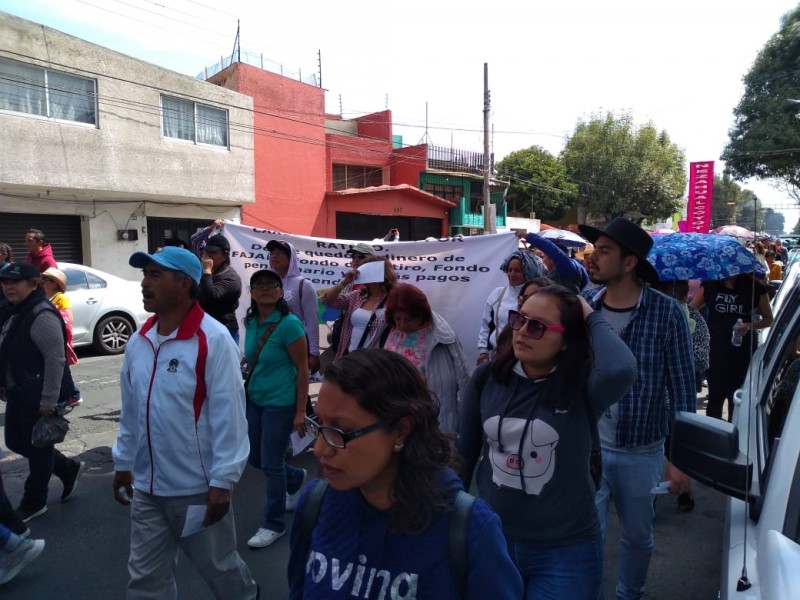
{"points": [[106, 309]]}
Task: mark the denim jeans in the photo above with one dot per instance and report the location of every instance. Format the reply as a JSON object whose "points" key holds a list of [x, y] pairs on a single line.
{"points": [[269, 428], [628, 478], [574, 572]]}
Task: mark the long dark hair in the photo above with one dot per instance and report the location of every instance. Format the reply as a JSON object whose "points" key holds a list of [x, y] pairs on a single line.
{"points": [[6, 249], [281, 306], [575, 361], [388, 386]]}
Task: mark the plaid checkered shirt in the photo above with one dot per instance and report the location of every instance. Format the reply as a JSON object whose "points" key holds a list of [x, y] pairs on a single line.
{"points": [[658, 335]]}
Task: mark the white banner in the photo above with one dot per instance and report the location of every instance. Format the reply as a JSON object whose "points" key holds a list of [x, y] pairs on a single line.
{"points": [[456, 274]]}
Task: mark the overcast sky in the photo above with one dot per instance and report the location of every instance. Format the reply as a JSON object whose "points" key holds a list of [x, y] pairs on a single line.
{"points": [[678, 64]]}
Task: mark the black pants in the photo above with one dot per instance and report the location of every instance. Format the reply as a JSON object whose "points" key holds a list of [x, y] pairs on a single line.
{"points": [[726, 373], [21, 415]]}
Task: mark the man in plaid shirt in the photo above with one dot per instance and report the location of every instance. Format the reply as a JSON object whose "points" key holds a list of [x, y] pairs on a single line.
{"points": [[633, 431]]}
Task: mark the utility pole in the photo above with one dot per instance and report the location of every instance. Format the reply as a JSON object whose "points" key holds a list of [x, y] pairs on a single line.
{"points": [[319, 65], [488, 214]]}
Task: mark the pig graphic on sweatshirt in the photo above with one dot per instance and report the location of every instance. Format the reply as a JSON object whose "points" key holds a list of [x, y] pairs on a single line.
{"points": [[536, 461]]}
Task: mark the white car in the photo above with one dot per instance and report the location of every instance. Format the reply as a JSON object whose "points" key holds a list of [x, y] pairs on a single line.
{"points": [[106, 309], [756, 462]]}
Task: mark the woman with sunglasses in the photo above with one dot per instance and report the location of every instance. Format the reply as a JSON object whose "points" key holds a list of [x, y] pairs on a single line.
{"points": [[382, 529], [532, 412], [277, 388]]}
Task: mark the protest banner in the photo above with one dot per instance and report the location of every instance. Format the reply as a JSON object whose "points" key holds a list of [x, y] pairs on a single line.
{"points": [[456, 274]]}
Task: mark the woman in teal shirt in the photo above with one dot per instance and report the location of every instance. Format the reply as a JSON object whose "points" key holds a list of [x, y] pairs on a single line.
{"points": [[276, 397]]}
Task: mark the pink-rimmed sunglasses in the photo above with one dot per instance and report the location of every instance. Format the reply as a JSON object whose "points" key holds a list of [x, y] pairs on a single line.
{"points": [[536, 329]]}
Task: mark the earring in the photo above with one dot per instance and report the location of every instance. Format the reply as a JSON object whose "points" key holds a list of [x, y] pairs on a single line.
{"points": [[398, 447]]}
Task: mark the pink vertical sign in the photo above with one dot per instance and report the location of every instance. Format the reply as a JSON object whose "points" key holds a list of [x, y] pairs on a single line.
{"points": [[701, 194]]}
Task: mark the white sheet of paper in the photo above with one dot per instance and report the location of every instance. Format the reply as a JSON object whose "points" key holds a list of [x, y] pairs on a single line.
{"points": [[195, 513], [300, 443], [370, 272]]}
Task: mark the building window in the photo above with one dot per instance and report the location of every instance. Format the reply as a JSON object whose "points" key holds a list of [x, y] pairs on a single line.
{"points": [[448, 192], [33, 90], [194, 122], [353, 176]]}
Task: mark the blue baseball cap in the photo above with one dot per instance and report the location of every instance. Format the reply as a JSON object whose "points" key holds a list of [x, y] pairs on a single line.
{"points": [[171, 257]]}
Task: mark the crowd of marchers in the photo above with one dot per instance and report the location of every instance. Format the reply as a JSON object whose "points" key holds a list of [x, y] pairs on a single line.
{"points": [[583, 362]]}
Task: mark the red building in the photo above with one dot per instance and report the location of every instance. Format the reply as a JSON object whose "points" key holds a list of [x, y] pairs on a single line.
{"points": [[321, 175]]}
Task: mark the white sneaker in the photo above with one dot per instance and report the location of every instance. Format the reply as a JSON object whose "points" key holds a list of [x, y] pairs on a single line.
{"points": [[264, 537], [291, 499], [14, 561]]}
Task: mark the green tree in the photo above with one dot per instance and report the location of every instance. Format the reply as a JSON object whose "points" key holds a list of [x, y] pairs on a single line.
{"points": [[730, 200], [746, 216], [764, 141], [625, 171], [538, 183], [773, 222]]}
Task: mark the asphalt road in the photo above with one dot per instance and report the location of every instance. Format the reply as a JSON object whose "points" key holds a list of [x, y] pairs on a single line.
{"points": [[87, 538]]}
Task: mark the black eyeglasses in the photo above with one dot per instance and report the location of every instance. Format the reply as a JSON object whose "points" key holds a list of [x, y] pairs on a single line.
{"points": [[359, 255], [336, 437], [536, 329], [265, 285]]}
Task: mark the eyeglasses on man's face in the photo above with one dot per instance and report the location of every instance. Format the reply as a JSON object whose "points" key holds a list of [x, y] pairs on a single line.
{"points": [[265, 285], [337, 438], [536, 329], [359, 256]]}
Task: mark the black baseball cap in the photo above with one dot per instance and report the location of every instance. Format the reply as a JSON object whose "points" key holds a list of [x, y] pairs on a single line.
{"points": [[218, 242], [17, 271]]}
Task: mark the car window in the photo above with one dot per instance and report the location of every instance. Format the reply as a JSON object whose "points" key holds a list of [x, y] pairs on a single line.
{"points": [[781, 391], [76, 280], [95, 282], [780, 326]]}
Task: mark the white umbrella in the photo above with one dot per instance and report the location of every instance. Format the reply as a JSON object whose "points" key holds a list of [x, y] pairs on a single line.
{"points": [[565, 237]]}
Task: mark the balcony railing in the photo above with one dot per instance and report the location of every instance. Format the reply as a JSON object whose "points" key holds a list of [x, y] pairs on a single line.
{"points": [[455, 161]]}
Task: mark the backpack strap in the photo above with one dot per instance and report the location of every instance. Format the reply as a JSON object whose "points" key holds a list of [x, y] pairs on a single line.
{"points": [[310, 514], [457, 541]]}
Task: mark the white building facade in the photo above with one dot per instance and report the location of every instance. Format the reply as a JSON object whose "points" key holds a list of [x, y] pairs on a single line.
{"points": [[108, 154]]}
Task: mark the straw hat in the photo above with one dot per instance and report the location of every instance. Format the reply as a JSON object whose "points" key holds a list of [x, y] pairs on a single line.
{"points": [[58, 277], [586, 251]]}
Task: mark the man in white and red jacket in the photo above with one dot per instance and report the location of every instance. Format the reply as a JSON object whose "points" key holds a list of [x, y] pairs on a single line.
{"points": [[182, 437]]}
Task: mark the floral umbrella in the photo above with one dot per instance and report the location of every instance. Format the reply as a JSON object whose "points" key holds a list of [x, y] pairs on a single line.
{"points": [[564, 237], [699, 256], [734, 231]]}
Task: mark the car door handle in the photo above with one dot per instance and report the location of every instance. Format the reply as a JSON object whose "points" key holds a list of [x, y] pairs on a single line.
{"points": [[737, 396], [91, 301]]}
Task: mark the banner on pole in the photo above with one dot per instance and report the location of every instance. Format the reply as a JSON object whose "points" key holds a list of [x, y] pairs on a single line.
{"points": [[701, 195], [456, 274]]}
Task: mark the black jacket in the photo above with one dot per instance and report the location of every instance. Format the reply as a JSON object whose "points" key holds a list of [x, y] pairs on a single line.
{"points": [[219, 295]]}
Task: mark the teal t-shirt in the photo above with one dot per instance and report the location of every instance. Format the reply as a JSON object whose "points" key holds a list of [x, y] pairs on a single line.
{"points": [[274, 379]]}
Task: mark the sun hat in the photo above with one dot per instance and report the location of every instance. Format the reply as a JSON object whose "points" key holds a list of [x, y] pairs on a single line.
{"points": [[57, 276], [170, 257], [631, 237], [361, 248]]}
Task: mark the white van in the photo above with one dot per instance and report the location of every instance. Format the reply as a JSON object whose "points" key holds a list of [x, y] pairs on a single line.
{"points": [[756, 462]]}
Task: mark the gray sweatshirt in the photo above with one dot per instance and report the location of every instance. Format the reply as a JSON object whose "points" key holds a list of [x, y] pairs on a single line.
{"points": [[535, 467]]}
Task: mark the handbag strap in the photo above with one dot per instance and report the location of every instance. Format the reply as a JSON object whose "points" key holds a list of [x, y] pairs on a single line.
{"points": [[251, 364], [372, 318]]}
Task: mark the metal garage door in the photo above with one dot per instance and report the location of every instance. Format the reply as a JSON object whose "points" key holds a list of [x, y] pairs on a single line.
{"points": [[161, 231], [357, 226], [62, 232]]}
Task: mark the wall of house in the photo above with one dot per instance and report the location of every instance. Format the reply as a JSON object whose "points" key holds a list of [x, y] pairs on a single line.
{"points": [[407, 164], [376, 125], [126, 153], [289, 142]]}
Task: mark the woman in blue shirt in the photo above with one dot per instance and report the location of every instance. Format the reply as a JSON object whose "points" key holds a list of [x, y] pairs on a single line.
{"points": [[382, 528], [277, 389]]}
